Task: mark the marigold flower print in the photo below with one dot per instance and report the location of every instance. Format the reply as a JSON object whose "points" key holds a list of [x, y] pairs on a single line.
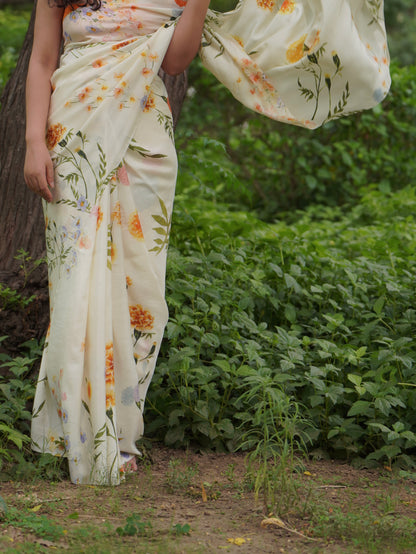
{"points": [[54, 134], [135, 228], [287, 7], [109, 376], [266, 4], [296, 50], [140, 318]]}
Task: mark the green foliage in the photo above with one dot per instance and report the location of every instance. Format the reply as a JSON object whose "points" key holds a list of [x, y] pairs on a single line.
{"points": [[179, 476], [39, 525], [13, 25], [11, 299], [179, 529], [17, 388], [134, 526], [278, 168]]}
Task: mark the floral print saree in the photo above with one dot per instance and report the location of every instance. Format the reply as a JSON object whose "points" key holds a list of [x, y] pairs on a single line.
{"points": [[111, 140]]}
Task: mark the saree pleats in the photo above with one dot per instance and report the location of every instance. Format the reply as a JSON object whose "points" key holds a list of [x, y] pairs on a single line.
{"points": [[111, 141]]}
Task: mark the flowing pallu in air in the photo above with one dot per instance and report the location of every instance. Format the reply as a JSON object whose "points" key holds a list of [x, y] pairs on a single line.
{"points": [[110, 136]]}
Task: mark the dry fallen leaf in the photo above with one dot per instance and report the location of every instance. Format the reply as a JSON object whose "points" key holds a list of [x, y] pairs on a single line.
{"points": [[204, 493], [36, 508], [276, 521], [238, 541]]}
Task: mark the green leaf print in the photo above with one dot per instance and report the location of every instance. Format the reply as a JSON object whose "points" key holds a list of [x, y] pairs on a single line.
{"points": [[322, 81], [164, 222], [144, 151]]}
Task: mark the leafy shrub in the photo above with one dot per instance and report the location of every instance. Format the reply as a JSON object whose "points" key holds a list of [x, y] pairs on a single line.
{"points": [[321, 308]]}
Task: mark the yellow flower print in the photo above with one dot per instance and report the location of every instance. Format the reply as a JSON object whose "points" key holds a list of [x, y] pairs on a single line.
{"points": [[296, 50], [266, 4], [140, 318], [135, 228], [54, 135], [287, 7]]}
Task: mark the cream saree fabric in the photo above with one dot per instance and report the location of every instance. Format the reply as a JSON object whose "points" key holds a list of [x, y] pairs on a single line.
{"points": [[111, 141]]}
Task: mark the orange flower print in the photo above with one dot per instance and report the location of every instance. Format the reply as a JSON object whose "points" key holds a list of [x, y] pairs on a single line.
{"points": [[121, 44], [113, 252], [238, 40], [118, 91], [135, 228], [98, 63], [116, 214], [110, 399], [266, 4], [109, 364], [287, 7], [180, 3], [146, 71], [89, 390], [129, 281], [140, 318], [109, 376], [296, 50], [54, 134], [84, 94], [150, 103], [99, 217]]}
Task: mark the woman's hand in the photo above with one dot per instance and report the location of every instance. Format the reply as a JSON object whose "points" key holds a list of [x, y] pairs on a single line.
{"points": [[38, 170]]}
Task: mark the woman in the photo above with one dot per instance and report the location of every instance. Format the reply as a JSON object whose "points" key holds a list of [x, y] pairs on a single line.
{"points": [[107, 174]]}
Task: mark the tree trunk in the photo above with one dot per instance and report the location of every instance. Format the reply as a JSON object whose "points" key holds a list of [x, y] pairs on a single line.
{"points": [[21, 217]]}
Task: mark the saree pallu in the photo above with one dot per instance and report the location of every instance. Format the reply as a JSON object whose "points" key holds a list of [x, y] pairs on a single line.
{"points": [[111, 140]]}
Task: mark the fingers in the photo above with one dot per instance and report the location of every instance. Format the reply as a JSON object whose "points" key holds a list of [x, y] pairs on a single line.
{"points": [[38, 173], [39, 185]]}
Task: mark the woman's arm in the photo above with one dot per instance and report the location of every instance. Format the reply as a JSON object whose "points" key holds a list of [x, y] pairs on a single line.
{"points": [[186, 37], [38, 169]]}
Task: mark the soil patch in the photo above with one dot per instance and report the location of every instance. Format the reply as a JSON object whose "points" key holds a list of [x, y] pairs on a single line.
{"points": [[209, 493]]}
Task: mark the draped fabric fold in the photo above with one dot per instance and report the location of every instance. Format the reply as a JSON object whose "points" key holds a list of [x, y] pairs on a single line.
{"points": [[111, 140]]}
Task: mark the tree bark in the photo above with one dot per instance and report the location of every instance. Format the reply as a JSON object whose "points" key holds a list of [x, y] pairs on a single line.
{"points": [[21, 217]]}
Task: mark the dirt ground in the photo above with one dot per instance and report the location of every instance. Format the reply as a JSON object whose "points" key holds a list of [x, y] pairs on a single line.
{"points": [[209, 493]]}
